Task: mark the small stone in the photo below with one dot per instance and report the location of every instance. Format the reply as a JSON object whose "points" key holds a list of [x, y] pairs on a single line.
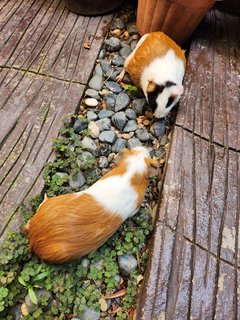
{"points": [[31, 307], [103, 162], [133, 44], [138, 105], [118, 279], [122, 101], [91, 115], [133, 142], [103, 92], [107, 136], [103, 124], [127, 264], [146, 122], [90, 145], [158, 128], [98, 70], [79, 125], [126, 136], [113, 44], [117, 32], [119, 145], [119, 120], [117, 61], [92, 94], [90, 314], [111, 156], [125, 51], [103, 304], [93, 129], [135, 37], [110, 100], [91, 102], [113, 86], [96, 82], [112, 75], [126, 34], [142, 134], [105, 149], [106, 66], [85, 263], [117, 24], [24, 309], [105, 114], [102, 54], [130, 126], [83, 159], [77, 181], [132, 28], [131, 114]]}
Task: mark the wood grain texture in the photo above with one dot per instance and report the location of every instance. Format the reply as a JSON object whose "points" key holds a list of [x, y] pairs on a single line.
{"points": [[193, 271], [32, 109], [194, 264], [210, 105], [45, 37]]}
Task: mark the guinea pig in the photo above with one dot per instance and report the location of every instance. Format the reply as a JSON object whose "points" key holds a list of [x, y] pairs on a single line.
{"points": [[69, 226], [157, 66]]}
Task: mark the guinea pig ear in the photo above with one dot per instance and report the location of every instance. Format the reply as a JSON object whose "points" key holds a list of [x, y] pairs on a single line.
{"points": [[177, 90], [151, 86]]}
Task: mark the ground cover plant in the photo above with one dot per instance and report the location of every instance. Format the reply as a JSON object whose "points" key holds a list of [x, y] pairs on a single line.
{"points": [[39, 290]]}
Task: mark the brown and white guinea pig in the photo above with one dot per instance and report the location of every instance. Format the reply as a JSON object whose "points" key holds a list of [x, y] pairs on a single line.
{"points": [[157, 66], [67, 227]]}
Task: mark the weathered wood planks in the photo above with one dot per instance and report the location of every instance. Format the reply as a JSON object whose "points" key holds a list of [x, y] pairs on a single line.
{"points": [[210, 106], [44, 68], [46, 38], [194, 268]]}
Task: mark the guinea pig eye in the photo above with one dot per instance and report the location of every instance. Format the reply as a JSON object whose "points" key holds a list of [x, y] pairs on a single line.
{"points": [[170, 101]]}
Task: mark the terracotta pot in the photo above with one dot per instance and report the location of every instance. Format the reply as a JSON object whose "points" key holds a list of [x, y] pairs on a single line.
{"points": [[176, 18], [92, 7]]}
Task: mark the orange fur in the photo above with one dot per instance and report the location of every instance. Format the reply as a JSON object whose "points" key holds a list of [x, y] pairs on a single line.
{"points": [[155, 45], [68, 227]]}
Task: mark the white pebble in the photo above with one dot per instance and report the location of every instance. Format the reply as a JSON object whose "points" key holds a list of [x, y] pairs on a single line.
{"points": [[94, 130], [91, 102]]}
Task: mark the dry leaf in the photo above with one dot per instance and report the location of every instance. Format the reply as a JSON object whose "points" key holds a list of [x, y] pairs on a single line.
{"points": [[86, 45], [117, 294]]}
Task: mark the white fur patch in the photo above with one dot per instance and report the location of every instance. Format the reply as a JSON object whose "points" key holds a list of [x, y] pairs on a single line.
{"points": [[115, 193], [167, 68]]}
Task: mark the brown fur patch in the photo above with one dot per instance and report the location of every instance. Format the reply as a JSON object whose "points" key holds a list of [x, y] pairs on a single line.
{"points": [[154, 46], [151, 86], [68, 227]]}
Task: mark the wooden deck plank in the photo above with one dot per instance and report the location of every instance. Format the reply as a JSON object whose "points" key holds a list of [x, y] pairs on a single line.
{"points": [[199, 207], [46, 38], [200, 199], [209, 107], [30, 123]]}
